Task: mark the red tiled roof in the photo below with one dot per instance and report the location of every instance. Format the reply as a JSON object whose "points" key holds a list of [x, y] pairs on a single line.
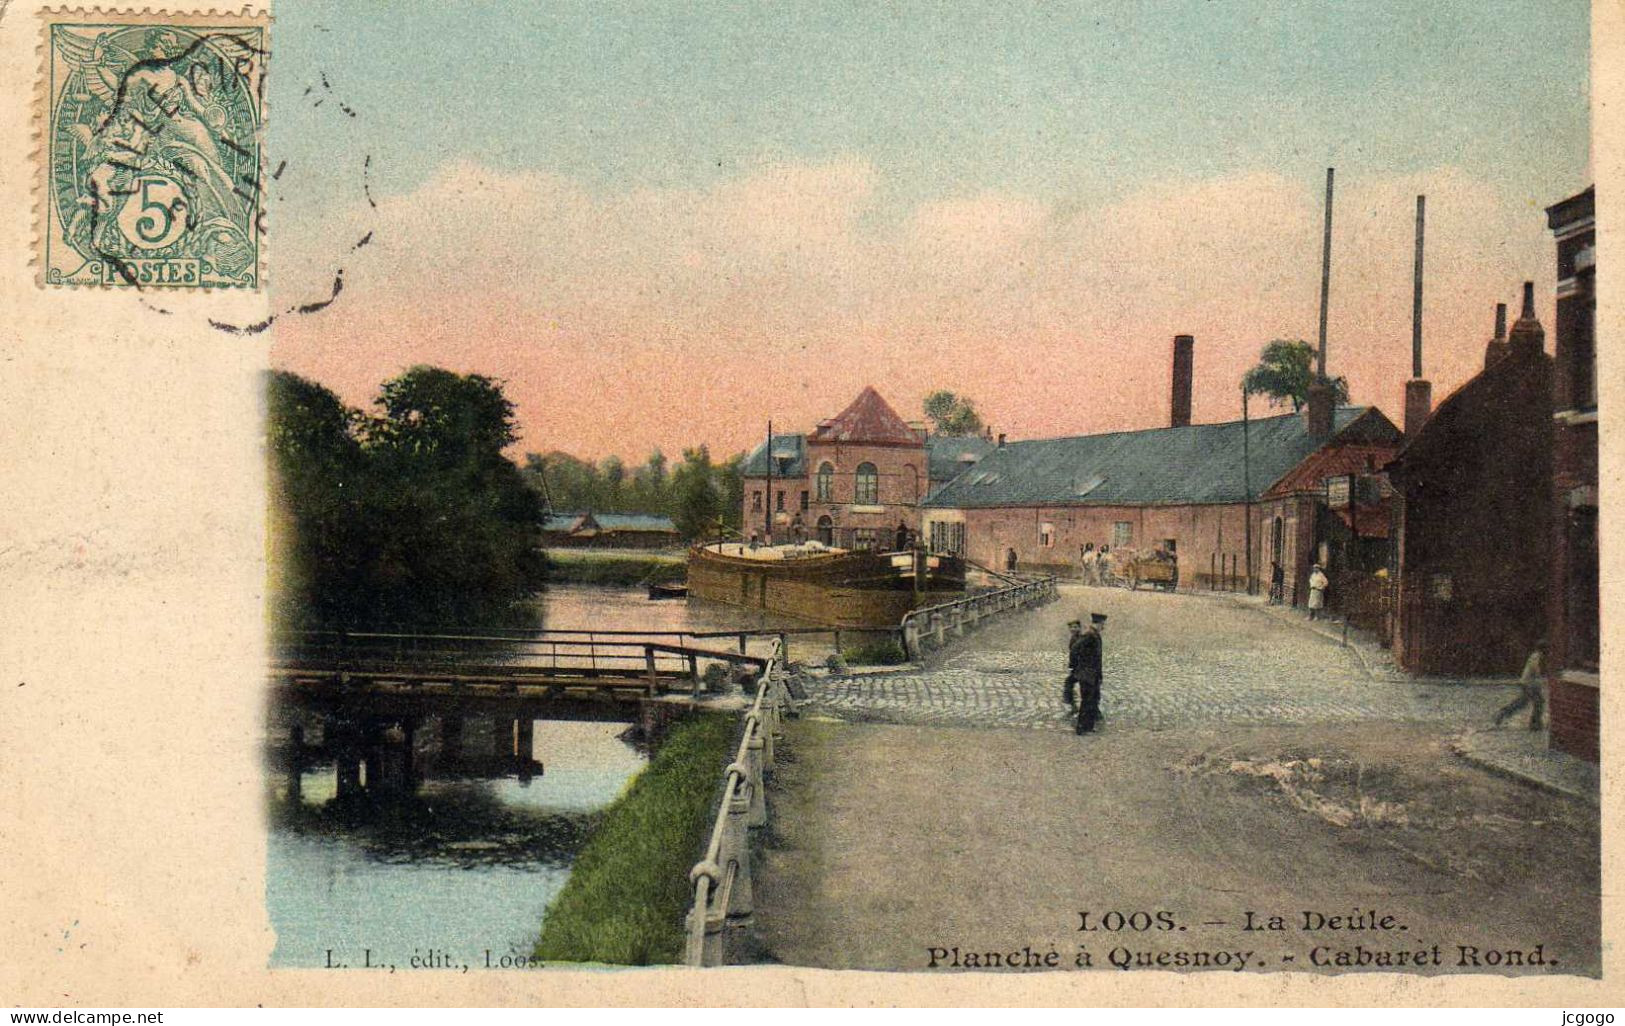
{"points": [[1366, 521], [870, 419], [1311, 474]]}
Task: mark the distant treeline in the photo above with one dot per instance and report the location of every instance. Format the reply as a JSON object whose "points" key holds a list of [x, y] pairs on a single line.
{"points": [[697, 494], [409, 515]]}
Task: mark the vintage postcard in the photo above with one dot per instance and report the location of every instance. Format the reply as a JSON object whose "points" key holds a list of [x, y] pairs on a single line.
{"points": [[951, 504]]}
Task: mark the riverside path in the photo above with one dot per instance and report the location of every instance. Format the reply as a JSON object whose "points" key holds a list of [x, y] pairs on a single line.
{"points": [[1246, 765]]}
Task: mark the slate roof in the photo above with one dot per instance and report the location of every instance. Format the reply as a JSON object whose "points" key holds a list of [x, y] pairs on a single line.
{"points": [[795, 446], [945, 453], [1191, 465], [869, 420]]}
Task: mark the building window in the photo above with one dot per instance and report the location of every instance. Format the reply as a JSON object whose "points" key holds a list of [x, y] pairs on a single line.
{"points": [[803, 501], [826, 482], [779, 504], [864, 538], [948, 538], [1046, 535], [755, 502], [868, 485], [1122, 534]]}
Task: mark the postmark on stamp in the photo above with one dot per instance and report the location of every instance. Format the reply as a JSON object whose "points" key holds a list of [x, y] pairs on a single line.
{"points": [[154, 127]]}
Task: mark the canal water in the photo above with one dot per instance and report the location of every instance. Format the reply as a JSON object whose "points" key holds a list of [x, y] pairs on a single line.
{"points": [[460, 872]]}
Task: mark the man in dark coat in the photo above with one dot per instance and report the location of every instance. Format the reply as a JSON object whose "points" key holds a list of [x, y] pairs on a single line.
{"points": [[1086, 662], [1074, 662]]}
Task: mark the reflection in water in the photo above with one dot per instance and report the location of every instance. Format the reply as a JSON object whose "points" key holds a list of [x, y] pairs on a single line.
{"points": [[459, 865], [464, 861]]}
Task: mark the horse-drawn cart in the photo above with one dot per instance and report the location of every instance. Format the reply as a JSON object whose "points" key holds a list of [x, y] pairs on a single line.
{"points": [[1157, 569]]}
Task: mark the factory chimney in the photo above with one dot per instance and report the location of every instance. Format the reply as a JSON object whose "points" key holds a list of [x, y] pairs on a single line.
{"points": [[1418, 391], [1527, 335], [1179, 405], [1498, 344]]}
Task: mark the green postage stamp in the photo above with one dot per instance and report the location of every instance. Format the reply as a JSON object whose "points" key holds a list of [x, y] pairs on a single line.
{"points": [[152, 156]]}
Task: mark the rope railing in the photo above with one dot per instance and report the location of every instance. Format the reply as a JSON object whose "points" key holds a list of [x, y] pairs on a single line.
{"points": [[930, 627], [723, 895]]}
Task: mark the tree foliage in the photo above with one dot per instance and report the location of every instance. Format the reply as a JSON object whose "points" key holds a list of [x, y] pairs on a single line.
{"points": [[697, 494], [952, 414], [1284, 372], [410, 516]]}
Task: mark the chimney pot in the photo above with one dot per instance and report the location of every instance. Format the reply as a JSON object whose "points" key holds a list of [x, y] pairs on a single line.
{"points": [[1179, 405], [1527, 335], [1317, 412], [1418, 405], [1498, 345]]}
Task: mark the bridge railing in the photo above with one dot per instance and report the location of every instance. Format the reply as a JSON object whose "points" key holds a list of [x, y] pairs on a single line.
{"points": [[610, 655], [723, 893], [931, 627]]}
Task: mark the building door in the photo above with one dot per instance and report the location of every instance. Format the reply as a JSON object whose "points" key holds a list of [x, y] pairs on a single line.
{"points": [[826, 530]]}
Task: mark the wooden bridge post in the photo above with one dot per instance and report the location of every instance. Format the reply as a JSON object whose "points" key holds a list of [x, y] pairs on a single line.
{"points": [[409, 728], [524, 738], [451, 739], [649, 665], [296, 763], [694, 673]]}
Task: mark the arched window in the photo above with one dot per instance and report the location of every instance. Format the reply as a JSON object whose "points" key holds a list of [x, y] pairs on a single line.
{"points": [[826, 482], [868, 491]]}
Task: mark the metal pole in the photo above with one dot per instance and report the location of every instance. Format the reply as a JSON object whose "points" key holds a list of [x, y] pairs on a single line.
{"points": [[1325, 278], [767, 502], [1416, 299]]}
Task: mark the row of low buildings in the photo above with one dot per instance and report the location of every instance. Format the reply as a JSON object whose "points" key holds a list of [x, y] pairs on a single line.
{"points": [[1464, 536]]}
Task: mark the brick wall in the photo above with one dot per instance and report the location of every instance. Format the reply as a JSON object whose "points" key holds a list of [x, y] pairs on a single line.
{"points": [[1202, 535], [1574, 718]]}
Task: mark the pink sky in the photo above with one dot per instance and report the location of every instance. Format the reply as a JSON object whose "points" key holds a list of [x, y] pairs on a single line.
{"points": [[625, 321]]}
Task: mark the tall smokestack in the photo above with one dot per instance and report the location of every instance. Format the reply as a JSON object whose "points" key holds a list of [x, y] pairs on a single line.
{"points": [[1498, 343], [1418, 391], [1325, 277], [1179, 404], [1416, 294]]}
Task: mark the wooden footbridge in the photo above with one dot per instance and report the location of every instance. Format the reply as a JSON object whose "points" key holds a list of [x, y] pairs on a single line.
{"points": [[542, 674]]}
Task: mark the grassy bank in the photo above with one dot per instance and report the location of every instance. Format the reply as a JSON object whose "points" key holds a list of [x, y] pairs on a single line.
{"points": [[612, 566], [627, 894]]}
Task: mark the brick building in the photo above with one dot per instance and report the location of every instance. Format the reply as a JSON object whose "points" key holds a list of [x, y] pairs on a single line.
{"points": [[1473, 501], [852, 480], [1573, 611]]}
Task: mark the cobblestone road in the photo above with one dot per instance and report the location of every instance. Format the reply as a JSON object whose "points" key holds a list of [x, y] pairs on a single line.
{"points": [[1170, 661]]}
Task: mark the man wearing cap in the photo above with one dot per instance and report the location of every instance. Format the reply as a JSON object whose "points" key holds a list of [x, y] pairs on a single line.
{"points": [[1074, 661], [1085, 657]]}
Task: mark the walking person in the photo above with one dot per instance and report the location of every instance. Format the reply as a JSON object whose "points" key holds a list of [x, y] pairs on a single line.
{"points": [[1318, 584], [1531, 690]]}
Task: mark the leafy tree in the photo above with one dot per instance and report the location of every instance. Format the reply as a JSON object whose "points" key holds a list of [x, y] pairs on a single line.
{"points": [[952, 414], [321, 543], [412, 517], [697, 501], [731, 476], [1284, 372]]}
